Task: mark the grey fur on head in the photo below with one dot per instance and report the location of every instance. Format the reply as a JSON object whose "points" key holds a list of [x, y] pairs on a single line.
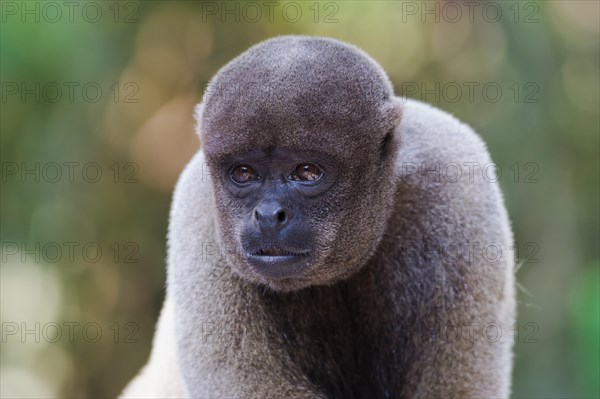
{"points": [[371, 315], [321, 90]]}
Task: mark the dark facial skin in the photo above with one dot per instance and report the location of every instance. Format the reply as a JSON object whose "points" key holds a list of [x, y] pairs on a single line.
{"points": [[276, 188]]}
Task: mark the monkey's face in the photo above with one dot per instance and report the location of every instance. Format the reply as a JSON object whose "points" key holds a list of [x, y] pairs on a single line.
{"points": [[291, 218], [300, 138], [272, 203]]}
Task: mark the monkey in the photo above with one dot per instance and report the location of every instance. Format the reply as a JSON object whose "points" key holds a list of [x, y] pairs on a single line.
{"points": [[311, 251]]}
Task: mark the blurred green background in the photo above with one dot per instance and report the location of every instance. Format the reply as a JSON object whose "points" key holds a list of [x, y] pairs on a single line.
{"points": [[96, 125]]}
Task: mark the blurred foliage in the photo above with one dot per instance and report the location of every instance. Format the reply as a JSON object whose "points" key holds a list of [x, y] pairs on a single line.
{"points": [[152, 61]]}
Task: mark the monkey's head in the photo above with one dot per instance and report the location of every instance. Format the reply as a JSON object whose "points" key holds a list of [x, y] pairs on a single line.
{"points": [[300, 138]]}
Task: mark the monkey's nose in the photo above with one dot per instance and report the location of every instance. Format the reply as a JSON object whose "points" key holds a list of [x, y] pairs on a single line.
{"points": [[270, 215]]}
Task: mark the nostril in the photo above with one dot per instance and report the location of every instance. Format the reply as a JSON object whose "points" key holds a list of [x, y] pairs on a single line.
{"points": [[281, 216], [270, 215]]}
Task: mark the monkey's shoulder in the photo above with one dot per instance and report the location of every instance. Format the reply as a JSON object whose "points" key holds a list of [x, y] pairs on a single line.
{"points": [[445, 176], [429, 135]]}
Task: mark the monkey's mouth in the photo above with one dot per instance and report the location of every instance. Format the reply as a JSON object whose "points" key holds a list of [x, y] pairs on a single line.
{"points": [[278, 263], [276, 252]]}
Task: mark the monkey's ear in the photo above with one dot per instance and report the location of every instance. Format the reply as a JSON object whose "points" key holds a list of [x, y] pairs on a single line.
{"points": [[198, 117], [393, 115], [393, 111]]}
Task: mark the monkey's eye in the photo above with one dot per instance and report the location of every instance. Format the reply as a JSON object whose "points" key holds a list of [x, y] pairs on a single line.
{"points": [[306, 172], [243, 174]]}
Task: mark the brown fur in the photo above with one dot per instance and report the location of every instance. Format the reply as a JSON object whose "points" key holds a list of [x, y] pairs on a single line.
{"points": [[371, 316]]}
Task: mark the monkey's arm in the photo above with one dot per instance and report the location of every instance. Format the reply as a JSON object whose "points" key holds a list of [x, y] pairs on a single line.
{"points": [[464, 355], [462, 277]]}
